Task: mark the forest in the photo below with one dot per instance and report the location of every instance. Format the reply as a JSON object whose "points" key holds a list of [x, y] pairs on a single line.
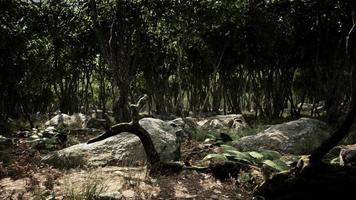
{"points": [[175, 99]]}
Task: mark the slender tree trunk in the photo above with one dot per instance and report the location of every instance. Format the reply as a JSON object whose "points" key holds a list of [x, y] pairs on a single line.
{"points": [[121, 106], [135, 128], [343, 130], [337, 136]]}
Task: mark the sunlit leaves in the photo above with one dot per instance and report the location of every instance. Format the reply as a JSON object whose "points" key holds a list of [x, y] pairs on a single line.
{"points": [[270, 159]]}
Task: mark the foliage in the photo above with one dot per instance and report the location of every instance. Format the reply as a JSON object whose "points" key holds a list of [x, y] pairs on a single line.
{"points": [[90, 189], [205, 135], [246, 131], [201, 135], [267, 57], [47, 139], [269, 159]]}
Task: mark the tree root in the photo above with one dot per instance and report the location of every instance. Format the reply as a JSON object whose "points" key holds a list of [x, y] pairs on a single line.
{"points": [[321, 181]]}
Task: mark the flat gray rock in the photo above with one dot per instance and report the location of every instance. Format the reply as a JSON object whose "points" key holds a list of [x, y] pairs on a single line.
{"points": [[297, 137]]}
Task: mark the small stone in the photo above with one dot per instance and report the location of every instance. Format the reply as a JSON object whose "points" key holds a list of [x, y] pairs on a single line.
{"points": [[214, 196], [110, 196]]}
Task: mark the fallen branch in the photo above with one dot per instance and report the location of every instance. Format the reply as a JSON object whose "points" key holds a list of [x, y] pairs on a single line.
{"points": [[135, 128], [220, 170]]}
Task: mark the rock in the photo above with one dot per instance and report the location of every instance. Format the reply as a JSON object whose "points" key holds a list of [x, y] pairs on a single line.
{"points": [[191, 122], [297, 137], [23, 134], [96, 123], [179, 122], [222, 123], [5, 142], [58, 120], [110, 196], [348, 155], [186, 126], [51, 130], [98, 114], [124, 148], [77, 120], [214, 124]]}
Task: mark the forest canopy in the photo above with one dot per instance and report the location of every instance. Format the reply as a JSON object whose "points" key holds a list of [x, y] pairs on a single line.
{"points": [[177, 99], [266, 57]]}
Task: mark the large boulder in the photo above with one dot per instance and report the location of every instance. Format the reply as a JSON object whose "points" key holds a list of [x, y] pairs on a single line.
{"points": [[348, 156], [77, 120], [58, 120], [96, 123], [122, 149], [297, 137]]}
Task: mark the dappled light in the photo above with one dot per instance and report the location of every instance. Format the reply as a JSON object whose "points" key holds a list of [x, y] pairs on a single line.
{"points": [[175, 99]]}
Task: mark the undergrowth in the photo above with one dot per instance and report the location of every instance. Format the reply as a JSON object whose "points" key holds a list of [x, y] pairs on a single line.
{"points": [[89, 190]]}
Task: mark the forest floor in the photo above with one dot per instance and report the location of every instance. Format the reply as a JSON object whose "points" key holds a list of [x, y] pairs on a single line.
{"points": [[25, 177]]}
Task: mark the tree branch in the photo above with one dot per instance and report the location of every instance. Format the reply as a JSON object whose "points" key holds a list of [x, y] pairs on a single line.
{"points": [[135, 128]]}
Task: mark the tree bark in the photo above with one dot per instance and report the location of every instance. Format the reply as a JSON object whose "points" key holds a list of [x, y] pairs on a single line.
{"points": [[317, 156], [121, 107], [135, 128], [311, 179], [343, 130]]}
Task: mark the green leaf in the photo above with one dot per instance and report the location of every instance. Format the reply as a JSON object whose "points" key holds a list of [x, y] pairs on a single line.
{"points": [[227, 147], [211, 136], [245, 155], [242, 156], [276, 164], [34, 136], [49, 145], [270, 155], [214, 157], [256, 155], [238, 158], [290, 159], [35, 140]]}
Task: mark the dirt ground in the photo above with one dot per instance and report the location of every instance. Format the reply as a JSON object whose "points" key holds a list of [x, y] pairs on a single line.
{"points": [[24, 177]]}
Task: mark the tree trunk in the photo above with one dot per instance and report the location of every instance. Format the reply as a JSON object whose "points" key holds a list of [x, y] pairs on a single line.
{"points": [[311, 179], [121, 107], [135, 128]]}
